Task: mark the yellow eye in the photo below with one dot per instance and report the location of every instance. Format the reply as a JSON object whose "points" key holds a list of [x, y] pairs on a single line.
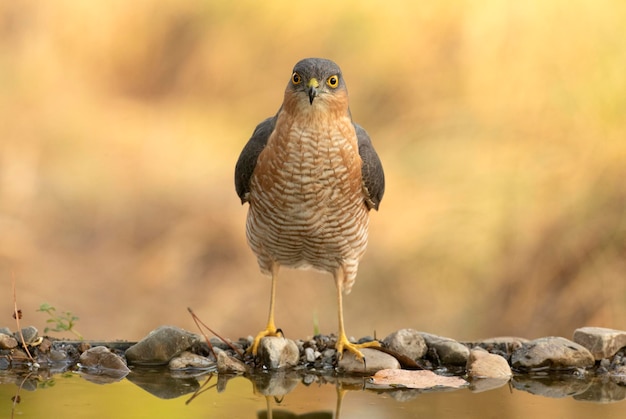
{"points": [[333, 81], [296, 79]]}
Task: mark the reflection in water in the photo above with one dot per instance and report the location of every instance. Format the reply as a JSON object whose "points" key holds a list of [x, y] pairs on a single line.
{"points": [[276, 386], [302, 394]]}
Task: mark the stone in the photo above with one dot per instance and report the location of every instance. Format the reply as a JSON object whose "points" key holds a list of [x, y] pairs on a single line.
{"points": [[228, 365], [449, 351], [189, 360], [600, 341], [551, 353], [7, 342], [482, 364], [310, 354], [58, 356], [29, 333], [160, 346], [278, 352], [374, 360], [100, 360], [407, 342]]}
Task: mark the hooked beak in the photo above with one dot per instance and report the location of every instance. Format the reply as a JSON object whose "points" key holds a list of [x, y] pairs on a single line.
{"points": [[312, 89]]}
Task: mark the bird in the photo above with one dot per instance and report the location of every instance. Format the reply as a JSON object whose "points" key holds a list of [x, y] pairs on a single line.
{"points": [[310, 176]]}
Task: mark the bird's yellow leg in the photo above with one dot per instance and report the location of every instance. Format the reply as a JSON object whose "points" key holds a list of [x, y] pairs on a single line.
{"points": [[270, 329], [343, 344]]}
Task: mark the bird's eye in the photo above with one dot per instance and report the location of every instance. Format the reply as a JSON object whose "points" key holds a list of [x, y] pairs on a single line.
{"points": [[296, 79], [333, 81]]}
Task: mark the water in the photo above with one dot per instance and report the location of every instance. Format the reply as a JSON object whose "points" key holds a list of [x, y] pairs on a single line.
{"points": [[159, 394]]}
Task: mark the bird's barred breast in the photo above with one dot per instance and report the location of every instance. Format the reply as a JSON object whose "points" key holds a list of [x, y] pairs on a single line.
{"points": [[306, 200]]}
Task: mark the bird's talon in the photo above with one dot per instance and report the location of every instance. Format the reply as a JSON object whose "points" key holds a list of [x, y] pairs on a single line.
{"points": [[343, 344], [254, 348]]}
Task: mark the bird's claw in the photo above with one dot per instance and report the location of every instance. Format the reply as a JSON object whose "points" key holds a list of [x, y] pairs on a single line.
{"points": [[343, 344], [270, 331]]}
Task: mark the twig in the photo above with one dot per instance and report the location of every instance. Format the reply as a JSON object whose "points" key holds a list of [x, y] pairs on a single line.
{"points": [[197, 320], [16, 398], [17, 315]]}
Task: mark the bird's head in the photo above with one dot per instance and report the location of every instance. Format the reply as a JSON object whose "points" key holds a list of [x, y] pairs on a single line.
{"points": [[317, 83]]}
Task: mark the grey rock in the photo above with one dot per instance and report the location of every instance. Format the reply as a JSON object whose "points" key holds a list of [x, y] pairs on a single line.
{"points": [[100, 360], [7, 342], [482, 364], [551, 353], [29, 333], [601, 342], [5, 331], [278, 352], [310, 354], [229, 365], [160, 346], [449, 351], [374, 361], [329, 353], [188, 360], [58, 356], [407, 342]]}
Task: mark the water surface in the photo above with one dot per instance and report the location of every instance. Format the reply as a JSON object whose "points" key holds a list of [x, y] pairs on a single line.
{"points": [[160, 395]]}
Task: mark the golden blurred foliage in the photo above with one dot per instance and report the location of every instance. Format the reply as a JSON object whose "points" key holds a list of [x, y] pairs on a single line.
{"points": [[500, 125]]}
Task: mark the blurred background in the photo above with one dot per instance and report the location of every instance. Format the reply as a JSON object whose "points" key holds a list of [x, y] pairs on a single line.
{"points": [[500, 124]]}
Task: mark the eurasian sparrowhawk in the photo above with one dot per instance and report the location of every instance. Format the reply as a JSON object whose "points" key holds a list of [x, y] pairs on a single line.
{"points": [[310, 175]]}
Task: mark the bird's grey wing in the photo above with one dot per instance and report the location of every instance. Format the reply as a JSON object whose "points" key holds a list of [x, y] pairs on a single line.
{"points": [[249, 156], [371, 171]]}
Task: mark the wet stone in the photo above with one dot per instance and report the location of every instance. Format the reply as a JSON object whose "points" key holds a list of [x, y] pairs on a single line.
{"points": [[407, 342], [375, 360], [482, 364], [160, 346], [551, 353], [57, 356], [100, 360], [448, 351], [7, 342], [600, 341], [189, 360], [278, 352], [229, 365]]}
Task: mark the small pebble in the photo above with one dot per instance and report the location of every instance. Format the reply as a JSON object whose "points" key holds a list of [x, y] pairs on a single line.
{"points": [[309, 354]]}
